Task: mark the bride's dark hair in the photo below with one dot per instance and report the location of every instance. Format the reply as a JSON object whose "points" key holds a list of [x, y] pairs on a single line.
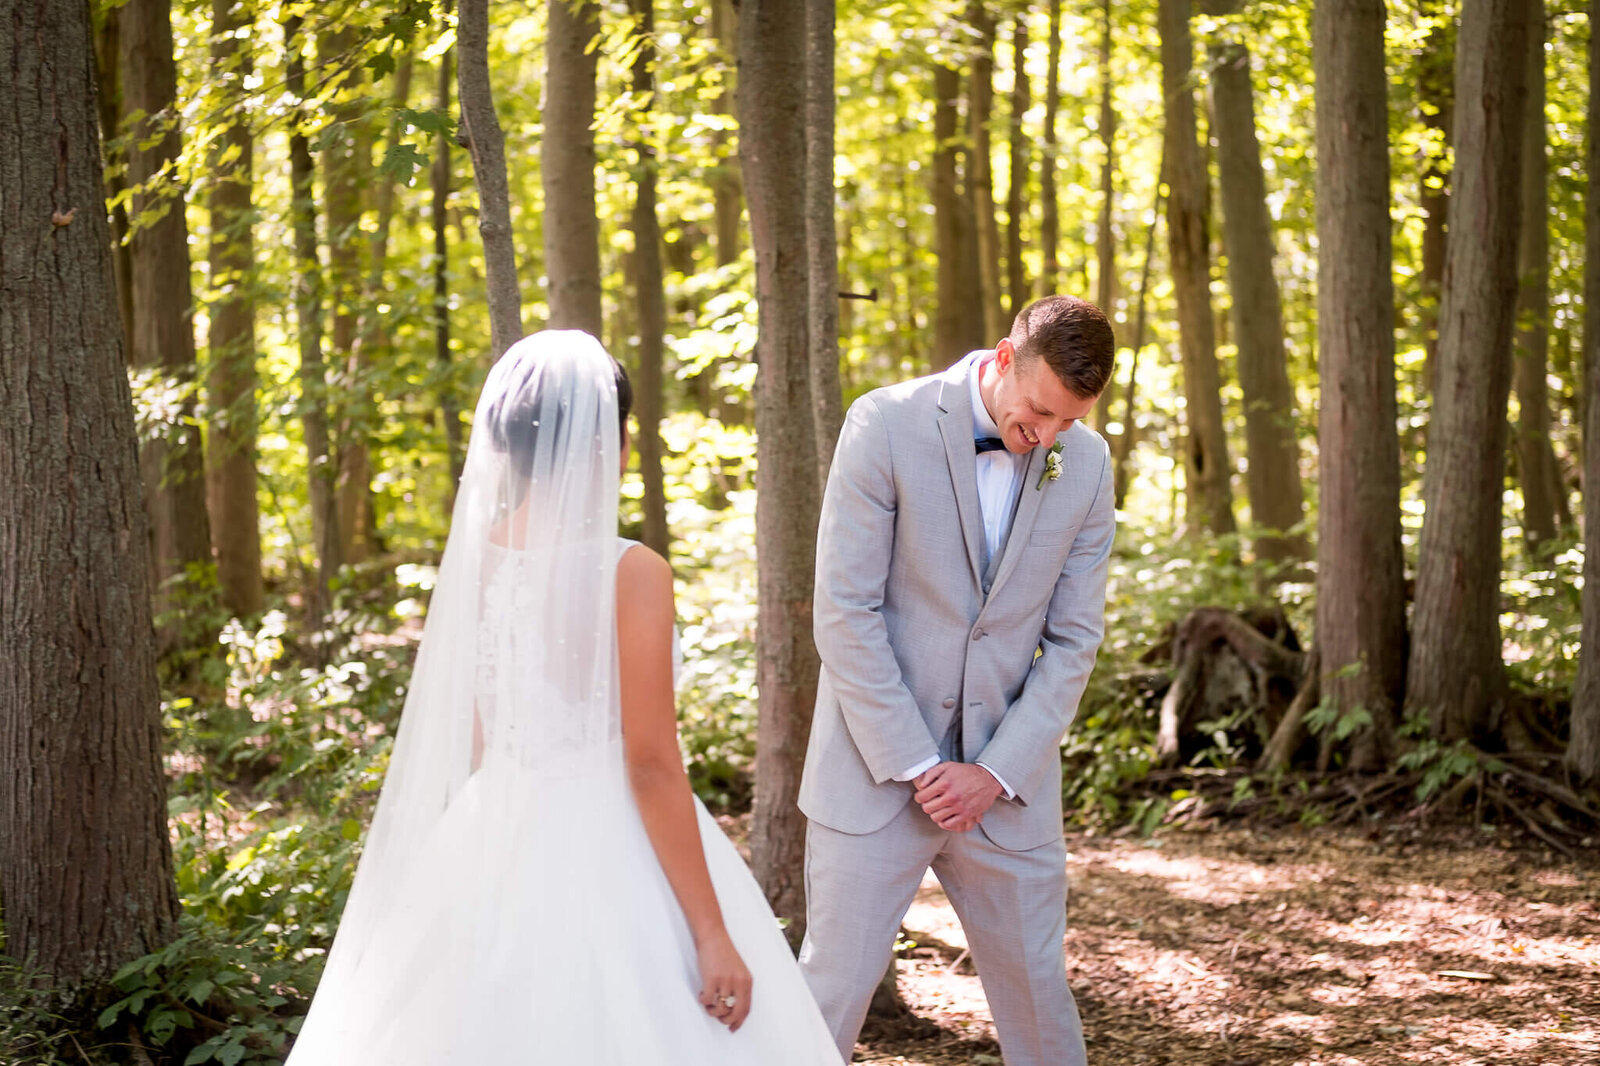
{"points": [[514, 422]]}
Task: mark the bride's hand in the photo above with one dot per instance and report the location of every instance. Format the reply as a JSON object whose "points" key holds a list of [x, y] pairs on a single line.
{"points": [[724, 981]]}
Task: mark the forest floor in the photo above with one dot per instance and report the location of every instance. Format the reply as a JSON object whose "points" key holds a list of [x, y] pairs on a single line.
{"points": [[1241, 947]]}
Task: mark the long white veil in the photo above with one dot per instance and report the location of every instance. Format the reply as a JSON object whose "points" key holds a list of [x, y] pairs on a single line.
{"points": [[510, 725]]}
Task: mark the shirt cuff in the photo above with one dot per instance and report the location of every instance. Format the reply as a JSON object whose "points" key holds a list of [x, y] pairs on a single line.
{"points": [[923, 767], [1009, 791]]}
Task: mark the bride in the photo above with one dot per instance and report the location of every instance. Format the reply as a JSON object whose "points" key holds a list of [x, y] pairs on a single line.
{"points": [[539, 885]]}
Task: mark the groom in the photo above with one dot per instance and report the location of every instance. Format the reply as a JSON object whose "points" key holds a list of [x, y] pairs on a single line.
{"points": [[961, 570]]}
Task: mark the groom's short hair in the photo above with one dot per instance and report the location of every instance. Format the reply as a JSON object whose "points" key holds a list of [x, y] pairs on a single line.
{"points": [[1073, 336]]}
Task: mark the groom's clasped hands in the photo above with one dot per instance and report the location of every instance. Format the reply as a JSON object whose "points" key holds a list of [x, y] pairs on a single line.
{"points": [[956, 795]]}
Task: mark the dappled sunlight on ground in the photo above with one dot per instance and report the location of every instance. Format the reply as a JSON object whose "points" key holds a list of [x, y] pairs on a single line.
{"points": [[1291, 949]]}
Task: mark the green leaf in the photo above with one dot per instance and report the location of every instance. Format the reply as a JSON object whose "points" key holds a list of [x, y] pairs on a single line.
{"points": [[351, 829]]}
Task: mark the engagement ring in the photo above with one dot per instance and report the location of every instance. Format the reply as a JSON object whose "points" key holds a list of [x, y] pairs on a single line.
{"points": [[729, 1001]]}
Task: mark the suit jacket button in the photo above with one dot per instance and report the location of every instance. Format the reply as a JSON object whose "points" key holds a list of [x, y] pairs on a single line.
{"points": [[977, 634], [950, 701]]}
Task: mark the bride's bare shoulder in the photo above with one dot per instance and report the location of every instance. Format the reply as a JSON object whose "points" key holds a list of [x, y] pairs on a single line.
{"points": [[644, 580]]}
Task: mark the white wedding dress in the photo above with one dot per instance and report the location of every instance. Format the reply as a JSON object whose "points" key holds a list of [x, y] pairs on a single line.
{"points": [[515, 913]]}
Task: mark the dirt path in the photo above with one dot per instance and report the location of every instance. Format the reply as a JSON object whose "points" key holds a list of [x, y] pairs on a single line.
{"points": [[1291, 948]]}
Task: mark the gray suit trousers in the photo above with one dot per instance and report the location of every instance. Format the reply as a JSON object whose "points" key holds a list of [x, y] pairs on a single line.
{"points": [[1012, 905]]}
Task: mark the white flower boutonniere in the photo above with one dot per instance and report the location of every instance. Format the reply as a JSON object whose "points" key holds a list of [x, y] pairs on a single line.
{"points": [[1052, 466]]}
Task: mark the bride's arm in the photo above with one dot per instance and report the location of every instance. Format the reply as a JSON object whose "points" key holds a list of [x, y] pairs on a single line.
{"points": [[645, 621]]}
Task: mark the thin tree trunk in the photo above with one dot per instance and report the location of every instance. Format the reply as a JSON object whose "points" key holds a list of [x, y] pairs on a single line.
{"points": [[1017, 189], [1277, 502], [949, 340], [567, 155], [1206, 463], [308, 297], [650, 300], [346, 157], [108, 48], [85, 867], [231, 472], [1122, 447], [1104, 240], [1456, 674], [1543, 499], [1360, 596], [822, 253], [1583, 750], [1050, 207], [487, 146], [440, 178], [163, 332], [772, 148], [726, 187], [980, 175], [1435, 93]]}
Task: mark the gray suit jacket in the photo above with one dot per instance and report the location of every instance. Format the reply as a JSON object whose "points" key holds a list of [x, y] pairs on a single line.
{"points": [[907, 631]]}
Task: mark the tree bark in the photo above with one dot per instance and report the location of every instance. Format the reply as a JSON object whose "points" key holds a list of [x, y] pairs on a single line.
{"points": [[85, 867], [567, 155], [650, 300], [1122, 447], [772, 149], [346, 158], [822, 253], [726, 188], [1583, 750], [1360, 585], [1104, 241], [231, 472], [1049, 201], [1206, 463], [163, 333], [980, 173], [1017, 188], [950, 341], [487, 146], [1543, 497], [107, 43], [308, 298], [1435, 94], [1456, 674], [441, 175], [1277, 503]]}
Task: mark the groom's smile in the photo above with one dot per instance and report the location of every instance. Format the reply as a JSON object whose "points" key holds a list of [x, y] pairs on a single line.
{"points": [[1028, 403]]}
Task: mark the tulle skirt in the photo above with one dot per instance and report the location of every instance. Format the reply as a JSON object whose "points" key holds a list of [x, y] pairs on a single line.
{"points": [[534, 925]]}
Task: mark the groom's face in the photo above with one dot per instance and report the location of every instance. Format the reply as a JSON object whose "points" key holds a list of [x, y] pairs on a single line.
{"points": [[1029, 403]]}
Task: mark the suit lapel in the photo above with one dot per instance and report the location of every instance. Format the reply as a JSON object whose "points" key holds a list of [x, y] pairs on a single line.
{"points": [[1031, 499], [955, 426]]}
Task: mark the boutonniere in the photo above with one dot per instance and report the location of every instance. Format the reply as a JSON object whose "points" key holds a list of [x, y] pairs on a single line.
{"points": [[1052, 465]]}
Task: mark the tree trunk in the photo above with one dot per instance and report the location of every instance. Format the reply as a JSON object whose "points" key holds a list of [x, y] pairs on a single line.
{"points": [[822, 253], [487, 146], [231, 472], [567, 155], [1360, 585], [1050, 207], [1435, 91], [650, 300], [726, 191], [308, 296], [1104, 242], [163, 333], [1456, 674], [346, 157], [980, 173], [1543, 498], [440, 178], [772, 147], [1272, 447], [107, 43], [85, 868], [949, 340], [1122, 447], [1017, 189], [1207, 468], [1583, 750]]}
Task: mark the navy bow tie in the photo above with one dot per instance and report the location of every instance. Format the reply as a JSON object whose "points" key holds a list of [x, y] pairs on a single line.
{"points": [[989, 444]]}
